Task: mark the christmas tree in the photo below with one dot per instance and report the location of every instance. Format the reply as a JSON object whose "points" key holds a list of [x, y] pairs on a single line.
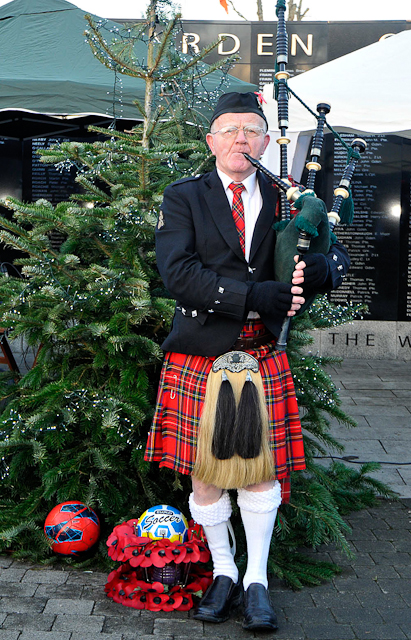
{"points": [[95, 310]]}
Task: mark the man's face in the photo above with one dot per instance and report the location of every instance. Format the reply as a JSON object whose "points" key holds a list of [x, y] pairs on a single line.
{"points": [[229, 151]]}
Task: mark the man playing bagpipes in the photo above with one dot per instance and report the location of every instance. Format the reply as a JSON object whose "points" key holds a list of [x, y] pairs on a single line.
{"points": [[226, 411]]}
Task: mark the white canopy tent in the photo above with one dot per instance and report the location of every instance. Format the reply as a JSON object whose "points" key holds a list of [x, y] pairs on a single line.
{"points": [[369, 91]]}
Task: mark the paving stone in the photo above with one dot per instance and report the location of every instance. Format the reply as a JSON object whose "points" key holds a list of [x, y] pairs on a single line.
{"points": [[59, 591], [44, 576], [305, 616], [376, 572], [6, 634], [381, 600], [44, 635], [17, 589], [5, 562], [82, 623], [12, 574], [379, 632], [22, 605], [110, 608], [329, 599], [128, 624], [126, 636], [78, 635], [347, 615], [93, 578], [68, 606], [177, 627], [329, 632], [395, 559], [380, 546], [357, 586], [92, 593], [28, 621], [391, 615]]}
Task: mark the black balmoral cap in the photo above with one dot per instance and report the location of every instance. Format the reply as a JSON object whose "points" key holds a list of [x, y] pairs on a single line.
{"points": [[235, 102]]}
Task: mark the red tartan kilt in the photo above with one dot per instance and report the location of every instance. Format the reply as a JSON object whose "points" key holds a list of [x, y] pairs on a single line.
{"points": [[173, 435]]}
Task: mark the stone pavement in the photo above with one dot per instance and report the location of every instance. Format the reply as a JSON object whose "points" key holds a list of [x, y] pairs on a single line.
{"points": [[370, 599]]}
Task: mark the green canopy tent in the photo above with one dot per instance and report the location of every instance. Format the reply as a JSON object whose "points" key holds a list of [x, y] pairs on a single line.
{"points": [[49, 75]]}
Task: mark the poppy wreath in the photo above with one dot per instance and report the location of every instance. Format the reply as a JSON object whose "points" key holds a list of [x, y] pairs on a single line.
{"points": [[158, 575]]}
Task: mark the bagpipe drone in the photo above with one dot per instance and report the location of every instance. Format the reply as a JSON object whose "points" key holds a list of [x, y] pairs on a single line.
{"points": [[311, 230]]}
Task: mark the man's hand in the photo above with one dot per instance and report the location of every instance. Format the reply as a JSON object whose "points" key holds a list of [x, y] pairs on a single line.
{"points": [[311, 272], [276, 299]]}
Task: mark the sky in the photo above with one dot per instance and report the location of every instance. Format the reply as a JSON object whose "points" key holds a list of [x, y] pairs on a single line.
{"points": [[212, 10]]}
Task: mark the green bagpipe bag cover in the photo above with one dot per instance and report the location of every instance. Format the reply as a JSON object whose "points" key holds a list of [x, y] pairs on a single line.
{"points": [[313, 220]]}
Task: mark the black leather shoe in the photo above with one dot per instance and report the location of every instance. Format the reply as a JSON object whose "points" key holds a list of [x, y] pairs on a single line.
{"points": [[258, 612], [217, 602]]}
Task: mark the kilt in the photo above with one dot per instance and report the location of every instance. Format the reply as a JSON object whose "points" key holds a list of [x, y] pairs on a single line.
{"points": [[173, 435]]}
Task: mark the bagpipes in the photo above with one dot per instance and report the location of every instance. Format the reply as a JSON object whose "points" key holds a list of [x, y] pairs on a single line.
{"points": [[233, 445], [311, 230]]}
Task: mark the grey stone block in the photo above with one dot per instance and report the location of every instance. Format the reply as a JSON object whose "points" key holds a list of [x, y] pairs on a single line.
{"points": [[24, 621], [90, 578], [180, 627], [128, 624], [78, 635], [329, 632], [69, 606], [22, 605], [307, 616], [13, 574], [82, 623], [6, 634], [5, 562], [110, 608], [44, 635], [45, 576], [17, 589], [347, 615], [379, 632], [60, 591]]}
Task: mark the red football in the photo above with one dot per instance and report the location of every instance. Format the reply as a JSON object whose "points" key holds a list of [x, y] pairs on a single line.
{"points": [[72, 527]]}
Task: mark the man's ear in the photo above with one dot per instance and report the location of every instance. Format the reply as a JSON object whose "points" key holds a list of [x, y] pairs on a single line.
{"points": [[210, 142]]}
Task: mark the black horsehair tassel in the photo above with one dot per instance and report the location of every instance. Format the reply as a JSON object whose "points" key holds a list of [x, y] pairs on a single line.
{"points": [[223, 440], [248, 426]]}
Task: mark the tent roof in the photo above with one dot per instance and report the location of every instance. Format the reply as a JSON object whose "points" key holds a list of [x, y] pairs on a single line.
{"points": [[48, 67], [369, 90]]}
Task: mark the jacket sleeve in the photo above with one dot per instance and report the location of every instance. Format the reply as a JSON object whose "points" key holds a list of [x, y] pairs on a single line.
{"points": [[199, 290], [339, 263]]}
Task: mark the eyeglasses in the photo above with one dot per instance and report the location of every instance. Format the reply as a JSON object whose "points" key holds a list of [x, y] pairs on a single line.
{"points": [[250, 131]]}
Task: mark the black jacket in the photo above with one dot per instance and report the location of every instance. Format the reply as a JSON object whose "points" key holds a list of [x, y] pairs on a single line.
{"points": [[203, 267]]}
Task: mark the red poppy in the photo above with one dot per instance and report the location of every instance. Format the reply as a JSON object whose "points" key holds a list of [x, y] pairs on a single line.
{"points": [[159, 557], [156, 601], [192, 552], [134, 552], [195, 588], [132, 524], [176, 552], [156, 587], [173, 602], [187, 602], [119, 593], [146, 557]]}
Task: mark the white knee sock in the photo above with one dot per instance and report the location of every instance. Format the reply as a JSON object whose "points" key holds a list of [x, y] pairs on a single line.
{"points": [[258, 512], [214, 519]]}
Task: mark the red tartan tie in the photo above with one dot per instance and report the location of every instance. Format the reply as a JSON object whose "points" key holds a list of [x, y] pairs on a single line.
{"points": [[238, 211]]}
